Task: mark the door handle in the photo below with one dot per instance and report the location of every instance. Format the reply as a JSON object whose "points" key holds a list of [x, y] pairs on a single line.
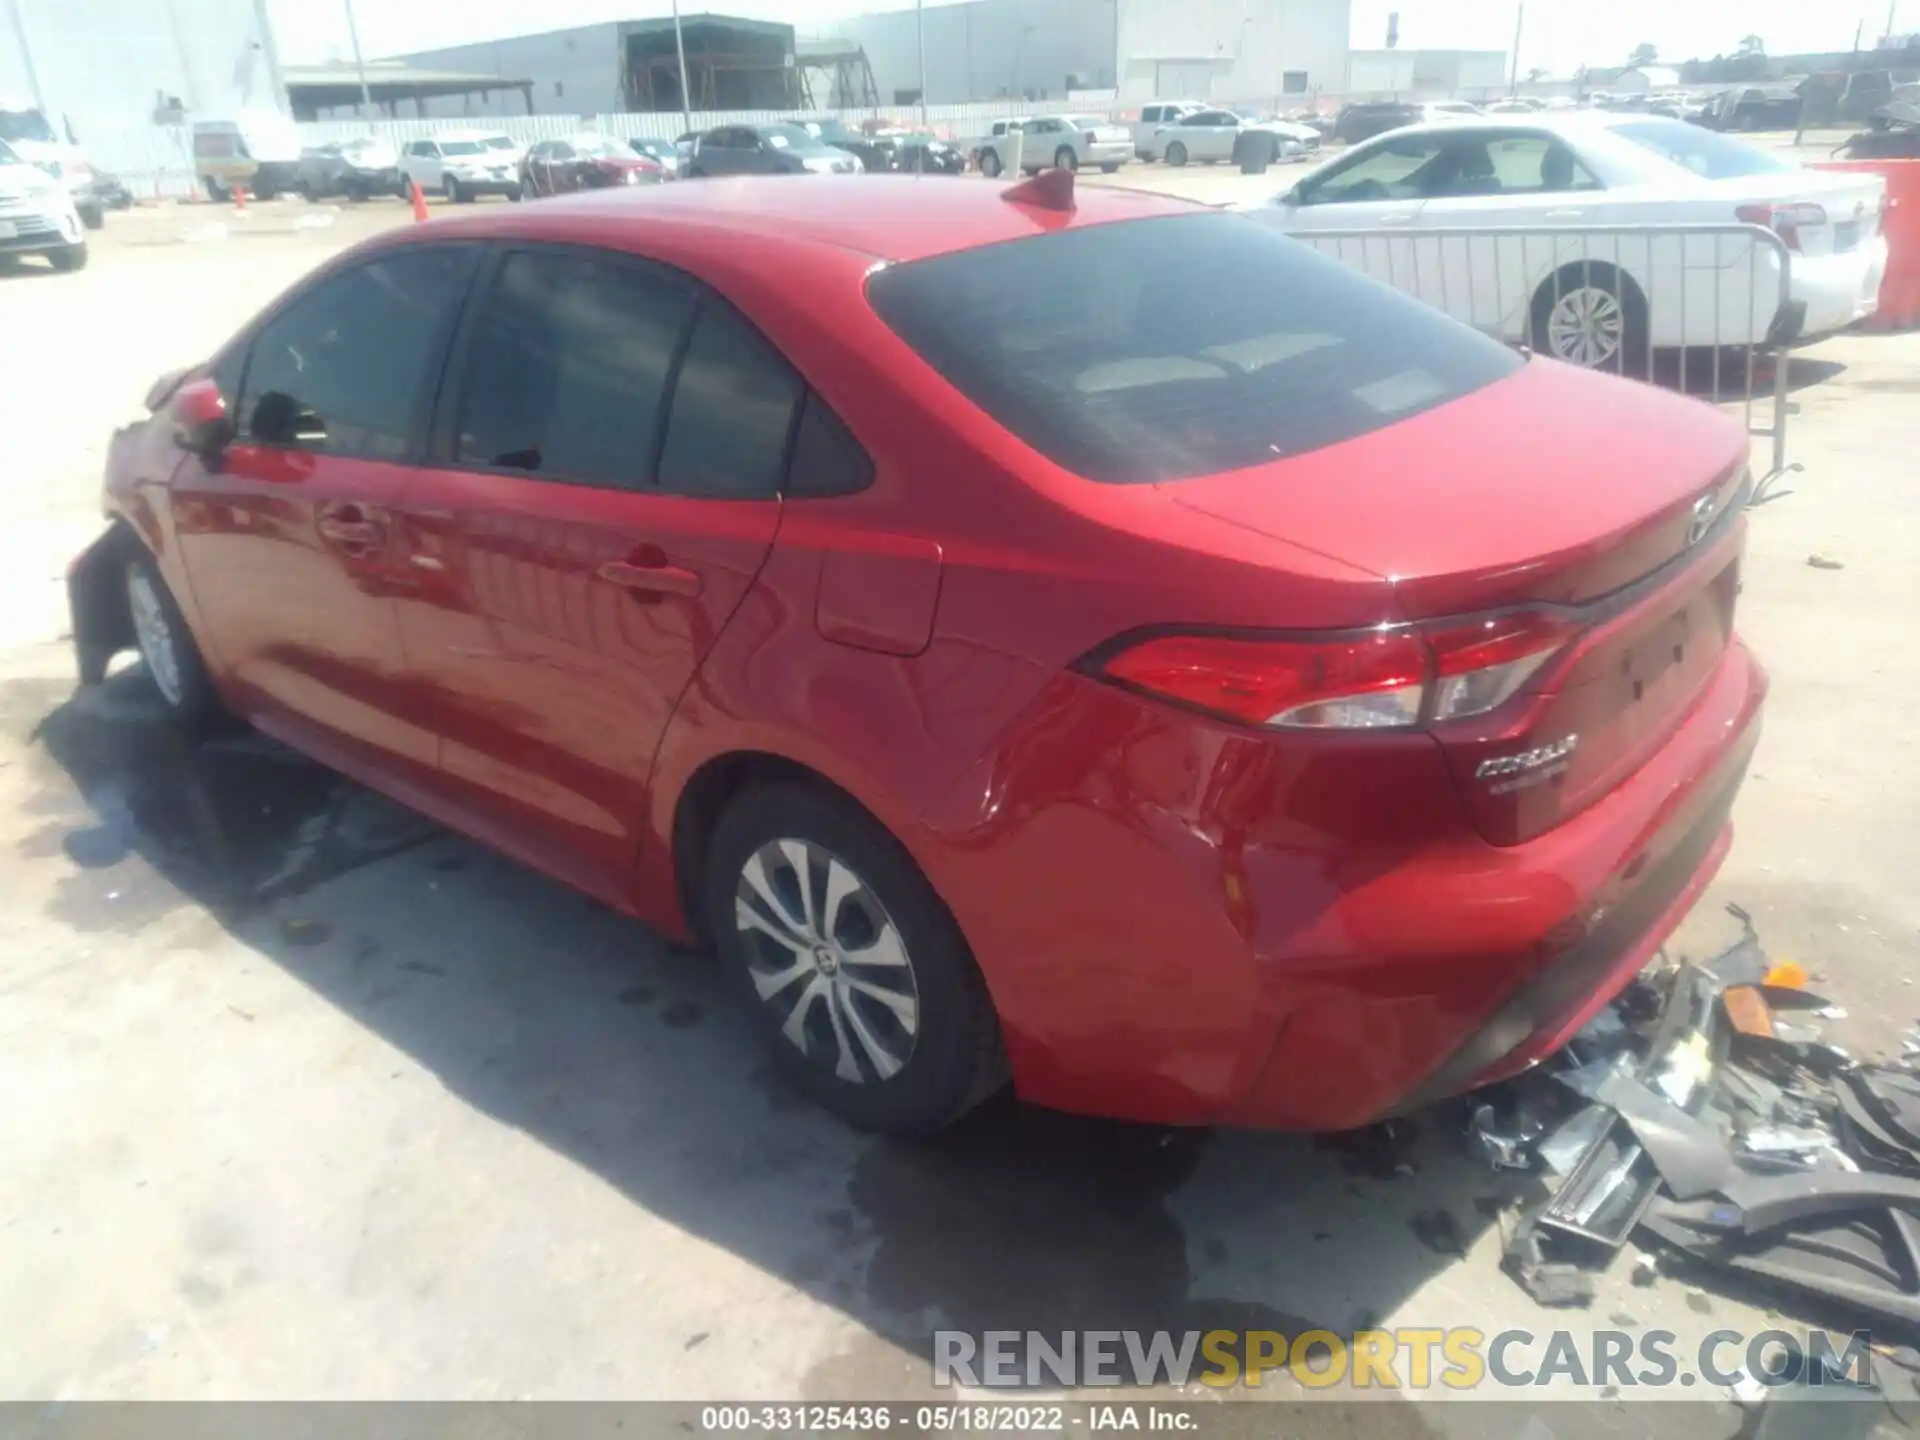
{"points": [[348, 527], [660, 579]]}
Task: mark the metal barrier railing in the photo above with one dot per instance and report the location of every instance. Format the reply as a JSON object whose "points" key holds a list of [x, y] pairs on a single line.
{"points": [[1683, 305]]}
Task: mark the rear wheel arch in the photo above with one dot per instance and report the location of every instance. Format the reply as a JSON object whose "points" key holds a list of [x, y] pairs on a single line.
{"points": [[715, 785]]}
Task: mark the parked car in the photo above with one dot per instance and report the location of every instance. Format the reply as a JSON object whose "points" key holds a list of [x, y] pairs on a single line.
{"points": [[1000, 149], [1587, 301], [109, 192], [864, 144], [1753, 107], [24, 126], [922, 152], [1435, 111], [358, 169], [463, 165], [586, 162], [1514, 105], [1364, 119], [1893, 133], [1210, 136], [665, 153], [1104, 644], [37, 215], [1152, 118], [1066, 142], [256, 150], [771, 149]]}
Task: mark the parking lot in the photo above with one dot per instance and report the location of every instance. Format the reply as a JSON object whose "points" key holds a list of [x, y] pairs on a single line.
{"points": [[310, 1099]]}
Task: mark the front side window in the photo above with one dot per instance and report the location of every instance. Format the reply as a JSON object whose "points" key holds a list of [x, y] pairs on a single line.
{"points": [[567, 368], [1153, 350], [1389, 171], [342, 369]]}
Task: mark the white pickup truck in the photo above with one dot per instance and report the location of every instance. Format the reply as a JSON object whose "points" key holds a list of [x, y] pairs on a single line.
{"points": [[1152, 118], [997, 151]]}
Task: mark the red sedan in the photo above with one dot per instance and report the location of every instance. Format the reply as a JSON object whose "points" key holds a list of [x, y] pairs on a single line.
{"points": [[1097, 643]]}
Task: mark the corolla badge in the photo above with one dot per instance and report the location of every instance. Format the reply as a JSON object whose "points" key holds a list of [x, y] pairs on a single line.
{"points": [[1529, 767]]}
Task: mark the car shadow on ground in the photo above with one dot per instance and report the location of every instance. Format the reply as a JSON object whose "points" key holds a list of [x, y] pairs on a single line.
{"points": [[576, 1026]]}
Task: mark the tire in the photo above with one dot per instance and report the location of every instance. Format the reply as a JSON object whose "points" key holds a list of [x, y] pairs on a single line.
{"points": [[1592, 316], [309, 192], [68, 258], [1255, 157], [1066, 158], [160, 630], [93, 217], [908, 1063], [519, 193], [450, 188], [990, 165], [357, 193], [1176, 154], [1112, 169], [216, 192]]}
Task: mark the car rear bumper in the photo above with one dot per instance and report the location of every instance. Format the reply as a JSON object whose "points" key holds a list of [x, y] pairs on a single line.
{"points": [[1201, 926], [1838, 290], [1108, 152]]}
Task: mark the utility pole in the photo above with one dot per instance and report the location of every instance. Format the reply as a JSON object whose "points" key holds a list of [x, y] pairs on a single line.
{"points": [[26, 56], [1519, 24], [359, 65], [1892, 6], [680, 52], [920, 37]]}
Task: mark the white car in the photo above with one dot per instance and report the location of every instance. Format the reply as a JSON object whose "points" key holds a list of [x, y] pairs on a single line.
{"points": [[1600, 299], [37, 215], [1066, 142], [999, 149], [1210, 136], [461, 164]]}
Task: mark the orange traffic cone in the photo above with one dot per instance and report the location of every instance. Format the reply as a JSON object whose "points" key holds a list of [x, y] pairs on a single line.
{"points": [[240, 198], [419, 198]]}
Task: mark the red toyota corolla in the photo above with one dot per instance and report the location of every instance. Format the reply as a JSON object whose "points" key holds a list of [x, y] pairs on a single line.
{"points": [[1106, 645]]}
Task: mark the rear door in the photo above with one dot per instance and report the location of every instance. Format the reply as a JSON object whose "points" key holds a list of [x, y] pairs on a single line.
{"points": [[1212, 133], [288, 537], [609, 450]]}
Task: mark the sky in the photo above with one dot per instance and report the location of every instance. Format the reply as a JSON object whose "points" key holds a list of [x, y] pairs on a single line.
{"points": [[1558, 34]]}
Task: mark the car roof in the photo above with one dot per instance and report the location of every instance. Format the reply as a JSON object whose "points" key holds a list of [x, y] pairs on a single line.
{"points": [[890, 217]]}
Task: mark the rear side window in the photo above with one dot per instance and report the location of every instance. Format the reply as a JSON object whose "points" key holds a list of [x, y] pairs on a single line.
{"points": [[567, 369], [1160, 349], [1706, 153], [733, 411]]}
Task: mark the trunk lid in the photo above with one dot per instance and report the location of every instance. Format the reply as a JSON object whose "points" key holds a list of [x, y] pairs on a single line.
{"points": [[1853, 204], [1601, 500]]}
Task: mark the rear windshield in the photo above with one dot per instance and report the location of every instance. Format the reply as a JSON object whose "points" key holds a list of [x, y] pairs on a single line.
{"points": [[1166, 348], [1707, 154]]}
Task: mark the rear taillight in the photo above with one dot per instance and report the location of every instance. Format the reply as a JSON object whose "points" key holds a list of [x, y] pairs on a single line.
{"points": [[1392, 677], [1786, 221]]}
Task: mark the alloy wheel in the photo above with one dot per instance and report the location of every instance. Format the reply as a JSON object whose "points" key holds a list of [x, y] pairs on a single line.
{"points": [[827, 959], [154, 634], [1587, 326]]}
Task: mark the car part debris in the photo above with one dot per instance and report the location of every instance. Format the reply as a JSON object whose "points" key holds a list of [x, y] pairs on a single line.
{"points": [[1561, 1150], [1608, 1190], [1502, 1150], [1691, 1157], [1554, 1283], [1747, 1010]]}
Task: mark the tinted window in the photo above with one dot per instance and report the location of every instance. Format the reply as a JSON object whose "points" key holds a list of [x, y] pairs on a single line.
{"points": [[1159, 349], [341, 369], [567, 367], [1478, 164], [1396, 170], [733, 404], [827, 460], [1702, 151]]}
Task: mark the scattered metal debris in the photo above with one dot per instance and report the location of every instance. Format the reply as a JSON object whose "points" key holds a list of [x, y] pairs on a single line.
{"points": [[1707, 1111]]}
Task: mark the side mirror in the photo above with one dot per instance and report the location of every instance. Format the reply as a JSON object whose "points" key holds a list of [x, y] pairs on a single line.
{"points": [[199, 415]]}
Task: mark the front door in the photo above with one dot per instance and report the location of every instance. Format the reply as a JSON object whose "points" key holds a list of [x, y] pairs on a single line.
{"points": [[598, 509], [288, 537], [1377, 190]]}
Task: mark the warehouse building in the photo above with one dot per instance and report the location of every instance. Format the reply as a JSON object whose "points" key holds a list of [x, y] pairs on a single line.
{"points": [[1426, 72], [1045, 49], [103, 68]]}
